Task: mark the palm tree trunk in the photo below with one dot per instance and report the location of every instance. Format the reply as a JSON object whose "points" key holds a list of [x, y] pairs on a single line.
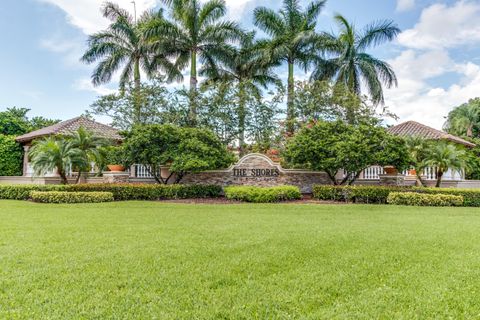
{"points": [[241, 117], [193, 88], [137, 83], [439, 178], [290, 94]]}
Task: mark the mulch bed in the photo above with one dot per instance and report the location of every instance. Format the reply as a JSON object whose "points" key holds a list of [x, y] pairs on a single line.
{"points": [[307, 199]]}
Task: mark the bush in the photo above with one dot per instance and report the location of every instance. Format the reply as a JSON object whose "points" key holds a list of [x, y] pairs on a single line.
{"points": [[11, 155], [152, 191], [70, 197], [22, 192], [471, 197], [363, 194], [121, 192], [262, 194], [422, 199]]}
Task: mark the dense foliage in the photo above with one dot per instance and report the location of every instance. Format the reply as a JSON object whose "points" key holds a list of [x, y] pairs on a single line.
{"points": [[121, 192], [11, 156], [70, 197], [262, 194], [424, 200], [184, 150], [335, 146], [379, 194]]}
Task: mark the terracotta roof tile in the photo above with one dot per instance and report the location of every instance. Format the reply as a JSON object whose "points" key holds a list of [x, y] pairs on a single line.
{"points": [[69, 126], [413, 128]]}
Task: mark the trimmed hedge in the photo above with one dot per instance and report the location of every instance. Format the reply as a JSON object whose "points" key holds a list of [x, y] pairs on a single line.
{"points": [[70, 197], [424, 199], [121, 192], [363, 194], [379, 194], [262, 194]]}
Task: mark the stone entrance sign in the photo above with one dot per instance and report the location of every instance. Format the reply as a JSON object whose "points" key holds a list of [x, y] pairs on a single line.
{"points": [[258, 170]]}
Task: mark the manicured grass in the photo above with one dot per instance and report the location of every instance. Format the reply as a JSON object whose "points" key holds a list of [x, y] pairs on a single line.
{"points": [[144, 260]]}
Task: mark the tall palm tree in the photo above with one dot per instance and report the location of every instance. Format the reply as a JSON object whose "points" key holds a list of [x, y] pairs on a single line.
{"points": [[245, 68], [443, 156], [88, 144], [463, 119], [123, 46], [52, 153], [351, 66], [292, 38], [196, 31]]}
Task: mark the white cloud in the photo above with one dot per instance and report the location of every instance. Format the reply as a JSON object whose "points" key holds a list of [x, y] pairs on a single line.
{"points": [[443, 26], [86, 15], [405, 5], [86, 85]]}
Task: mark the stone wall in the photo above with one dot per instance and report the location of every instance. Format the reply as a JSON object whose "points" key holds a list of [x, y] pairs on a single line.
{"points": [[259, 170]]}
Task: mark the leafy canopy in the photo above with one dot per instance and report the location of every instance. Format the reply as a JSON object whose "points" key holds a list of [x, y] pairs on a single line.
{"points": [[185, 150], [333, 146]]}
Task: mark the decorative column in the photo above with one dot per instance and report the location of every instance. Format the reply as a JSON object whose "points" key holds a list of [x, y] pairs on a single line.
{"points": [[25, 159]]}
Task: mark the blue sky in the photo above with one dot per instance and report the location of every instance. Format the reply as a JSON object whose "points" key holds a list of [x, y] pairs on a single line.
{"points": [[436, 57]]}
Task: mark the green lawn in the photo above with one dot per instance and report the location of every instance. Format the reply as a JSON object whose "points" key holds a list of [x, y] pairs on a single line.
{"points": [[144, 260]]}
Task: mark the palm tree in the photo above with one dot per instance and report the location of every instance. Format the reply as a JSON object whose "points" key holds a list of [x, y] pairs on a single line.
{"points": [[52, 153], [88, 144], [244, 68], [351, 65], [443, 156], [292, 38], [123, 46], [463, 119], [195, 32], [417, 151]]}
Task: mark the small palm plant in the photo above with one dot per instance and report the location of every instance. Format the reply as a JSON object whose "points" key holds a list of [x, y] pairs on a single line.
{"points": [[88, 144], [417, 150], [443, 156], [53, 153]]}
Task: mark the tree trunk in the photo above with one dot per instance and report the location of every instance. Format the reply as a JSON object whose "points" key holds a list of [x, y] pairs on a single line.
{"points": [[241, 118], [290, 97], [439, 178], [137, 83], [193, 88]]}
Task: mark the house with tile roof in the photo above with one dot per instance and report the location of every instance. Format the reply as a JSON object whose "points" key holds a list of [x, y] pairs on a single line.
{"points": [[65, 128]]}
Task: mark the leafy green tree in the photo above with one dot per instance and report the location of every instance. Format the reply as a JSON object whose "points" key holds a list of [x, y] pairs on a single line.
{"points": [[196, 31], [183, 150], [123, 46], [156, 106], [292, 39], [55, 153], [14, 121], [464, 120], [11, 155], [351, 66], [322, 100], [444, 155], [246, 71], [335, 146]]}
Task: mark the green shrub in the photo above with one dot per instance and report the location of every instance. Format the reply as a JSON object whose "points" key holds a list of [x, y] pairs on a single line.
{"points": [[363, 194], [11, 155], [152, 191], [471, 197], [423, 199], [22, 192], [121, 192], [70, 197], [262, 194]]}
